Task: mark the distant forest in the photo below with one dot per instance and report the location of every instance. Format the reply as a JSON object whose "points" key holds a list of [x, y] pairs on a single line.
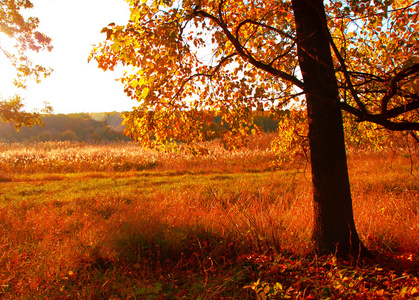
{"points": [[94, 127]]}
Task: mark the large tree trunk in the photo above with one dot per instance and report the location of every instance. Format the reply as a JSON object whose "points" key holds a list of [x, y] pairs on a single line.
{"points": [[334, 227]]}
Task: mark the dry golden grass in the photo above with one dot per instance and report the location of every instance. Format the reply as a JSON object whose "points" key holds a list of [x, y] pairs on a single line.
{"points": [[386, 199], [193, 227], [66, 157]]}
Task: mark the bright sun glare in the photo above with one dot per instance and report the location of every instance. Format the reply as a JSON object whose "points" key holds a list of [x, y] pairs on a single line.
{"points": [[75, 85]]}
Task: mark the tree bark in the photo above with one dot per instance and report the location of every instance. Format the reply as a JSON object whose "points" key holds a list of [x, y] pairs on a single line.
{"points": [[334, 227]]}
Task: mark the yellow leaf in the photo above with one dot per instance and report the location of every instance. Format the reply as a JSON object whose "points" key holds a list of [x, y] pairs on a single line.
{"points": [[134, 83], [144, 93]]}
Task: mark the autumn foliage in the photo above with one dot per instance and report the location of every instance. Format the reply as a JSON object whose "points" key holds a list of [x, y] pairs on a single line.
{"points": [[192, 56], [25, 38]]}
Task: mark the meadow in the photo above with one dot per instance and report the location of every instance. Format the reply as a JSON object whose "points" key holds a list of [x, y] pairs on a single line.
{"points": [[116, 221]]}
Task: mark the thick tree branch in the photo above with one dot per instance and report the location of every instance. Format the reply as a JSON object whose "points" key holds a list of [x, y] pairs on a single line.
{"points": [[393, 85], [379, 119], [394, 112]]}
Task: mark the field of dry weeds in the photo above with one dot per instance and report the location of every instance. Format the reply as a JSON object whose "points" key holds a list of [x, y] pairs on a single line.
{"points": [[116, 221]]}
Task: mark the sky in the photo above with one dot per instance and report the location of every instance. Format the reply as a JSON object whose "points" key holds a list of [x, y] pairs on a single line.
{"points": [[75, 85]]}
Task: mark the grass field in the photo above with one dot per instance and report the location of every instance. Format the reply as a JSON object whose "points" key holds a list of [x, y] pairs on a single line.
{"points": [[115, 221]]}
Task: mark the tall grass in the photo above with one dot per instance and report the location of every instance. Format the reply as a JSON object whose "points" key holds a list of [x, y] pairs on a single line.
{"points": [[221, 226], [65, 157], [386, 199]]}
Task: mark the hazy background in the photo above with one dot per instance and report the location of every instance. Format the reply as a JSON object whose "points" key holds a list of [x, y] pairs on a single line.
{"points": [[75, 85]]}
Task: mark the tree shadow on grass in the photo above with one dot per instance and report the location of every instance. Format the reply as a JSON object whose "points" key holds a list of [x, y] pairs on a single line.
{"points": [[172, 261]]}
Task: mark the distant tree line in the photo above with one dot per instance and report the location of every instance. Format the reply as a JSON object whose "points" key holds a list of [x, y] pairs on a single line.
{"points": [[94, 127]]}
